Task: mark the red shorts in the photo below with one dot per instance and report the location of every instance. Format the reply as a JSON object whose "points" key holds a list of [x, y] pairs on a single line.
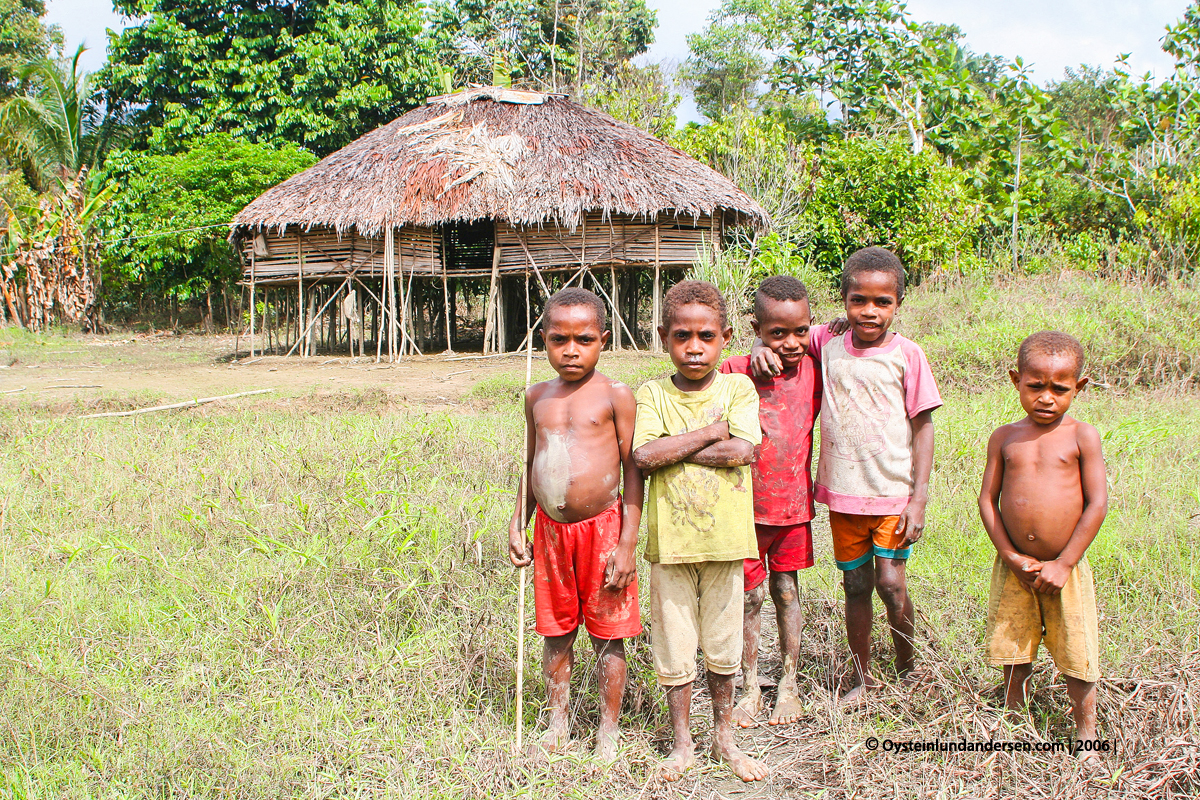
{"points": [[569, 559], [786, 548]]}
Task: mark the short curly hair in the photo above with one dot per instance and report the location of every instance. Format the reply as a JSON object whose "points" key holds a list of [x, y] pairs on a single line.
{"points": [[575, 296], [687, 293], [1051, 343], [780, 288], [873, 259]]}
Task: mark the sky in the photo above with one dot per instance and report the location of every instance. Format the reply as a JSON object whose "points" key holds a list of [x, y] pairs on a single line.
{"points": [[1049, 34]]}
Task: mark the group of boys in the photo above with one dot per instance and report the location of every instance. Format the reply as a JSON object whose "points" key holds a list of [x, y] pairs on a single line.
{"points": [[725, 449]]}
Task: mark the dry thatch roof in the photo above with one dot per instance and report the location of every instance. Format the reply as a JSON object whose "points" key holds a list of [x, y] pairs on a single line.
{"points": [[497, 153]]}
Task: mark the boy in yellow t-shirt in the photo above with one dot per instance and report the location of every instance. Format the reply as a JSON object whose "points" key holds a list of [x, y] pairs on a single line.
{"points": [[694, 438]]}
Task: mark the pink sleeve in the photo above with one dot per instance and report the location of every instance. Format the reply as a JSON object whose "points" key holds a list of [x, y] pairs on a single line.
{"points": [[818, 337], [920, 389]]}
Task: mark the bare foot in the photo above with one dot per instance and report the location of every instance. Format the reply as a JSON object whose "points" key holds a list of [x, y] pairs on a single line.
{"points": [[858, 695], [745, 767], [787, 708], [606, 744], [748, 709], [678, 762], [556, 737]]}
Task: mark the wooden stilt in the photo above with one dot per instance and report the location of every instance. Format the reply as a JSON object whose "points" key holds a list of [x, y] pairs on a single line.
{"points": [[301, 321], [489, 325], [446, 296], [252, 302], [616, 309], [656, 296]]}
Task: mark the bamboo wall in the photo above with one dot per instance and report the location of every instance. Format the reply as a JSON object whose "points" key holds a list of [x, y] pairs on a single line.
{"points": [[620, 241]]}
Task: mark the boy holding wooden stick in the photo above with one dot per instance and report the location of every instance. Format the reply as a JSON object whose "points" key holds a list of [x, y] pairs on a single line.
{"points": [[578, 457]]}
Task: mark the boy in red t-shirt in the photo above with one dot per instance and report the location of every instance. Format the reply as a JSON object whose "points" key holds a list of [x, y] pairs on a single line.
{"points": [[789, 402]]}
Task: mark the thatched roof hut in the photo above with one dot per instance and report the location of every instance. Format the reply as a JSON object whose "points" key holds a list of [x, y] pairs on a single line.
{"points": [[489, 183]]}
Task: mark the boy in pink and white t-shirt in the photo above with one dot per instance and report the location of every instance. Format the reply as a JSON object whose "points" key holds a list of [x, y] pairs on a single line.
{"points": [[876, 454]]}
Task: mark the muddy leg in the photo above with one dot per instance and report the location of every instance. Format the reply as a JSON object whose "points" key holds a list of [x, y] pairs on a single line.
{"points": [[724, 747], [611, 669], [558, 658], [751, 705], [786, 596], [892, 587], [859, 583], [679, 703], [1083, 708]]}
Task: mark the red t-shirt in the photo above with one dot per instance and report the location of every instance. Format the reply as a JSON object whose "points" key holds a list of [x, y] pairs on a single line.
{"points": [[788, 405]]}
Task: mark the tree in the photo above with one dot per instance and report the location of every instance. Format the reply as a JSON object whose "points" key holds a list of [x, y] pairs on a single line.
{"points": [[724, 69], [318, 73], [167, 229], [23, 37], [641, 96], [54, 129], [58, 137], [545, 44]]}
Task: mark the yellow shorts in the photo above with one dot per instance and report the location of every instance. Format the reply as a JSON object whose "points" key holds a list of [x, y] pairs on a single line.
{"points": [[1019, 618], [695, 605], [859, 537]]}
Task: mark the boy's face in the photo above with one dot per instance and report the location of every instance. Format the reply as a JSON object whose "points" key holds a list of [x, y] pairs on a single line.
{"points": [[573, 341], [1047, 386], [695, 339], [871, 304], [784, 327]]}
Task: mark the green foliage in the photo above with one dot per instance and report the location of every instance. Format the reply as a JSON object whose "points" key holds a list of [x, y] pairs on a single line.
{"points": [[724, 68], [204, 185], [547, 44], [23, 38], [54, 129], [318, 74], [640, 96]]}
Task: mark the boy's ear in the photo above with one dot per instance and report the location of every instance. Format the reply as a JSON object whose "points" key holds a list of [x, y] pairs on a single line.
{"points": [[1082, 382], [728, 335], [662, 334], [1015, 377], [604, 337], [754, 324]]}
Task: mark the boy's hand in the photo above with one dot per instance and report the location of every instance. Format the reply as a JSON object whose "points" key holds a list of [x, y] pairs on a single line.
{"points": [[764, 363], [1025, 568], [1052, 577], [621, 569], [520, 550], [839, 326], [912, 522]]}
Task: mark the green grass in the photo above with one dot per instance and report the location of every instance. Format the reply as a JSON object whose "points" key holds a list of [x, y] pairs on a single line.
{"points": [[1134, 334], [302, 601]]}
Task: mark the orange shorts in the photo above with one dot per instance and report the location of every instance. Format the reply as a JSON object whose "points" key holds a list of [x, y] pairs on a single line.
{"points": [[785, 548], [858, 537], [569, 559]]}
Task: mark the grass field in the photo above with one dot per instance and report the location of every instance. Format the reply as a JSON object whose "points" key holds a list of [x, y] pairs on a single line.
{"points": [[309, 596]]}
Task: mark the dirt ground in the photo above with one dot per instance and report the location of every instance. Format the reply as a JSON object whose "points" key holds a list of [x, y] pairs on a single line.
{"points": [[166, 368]]}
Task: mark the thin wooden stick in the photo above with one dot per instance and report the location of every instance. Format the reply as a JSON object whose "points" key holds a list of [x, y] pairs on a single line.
{"points": [[187, 404], [524, 500], [316, 317], [13, 391]]}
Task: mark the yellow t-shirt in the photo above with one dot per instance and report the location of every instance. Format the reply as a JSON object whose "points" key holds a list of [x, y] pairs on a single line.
{"points": [[697, 513]]}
